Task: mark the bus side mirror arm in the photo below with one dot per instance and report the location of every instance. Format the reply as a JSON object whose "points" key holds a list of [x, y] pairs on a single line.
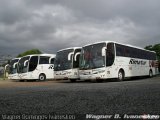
{"points": [[69, 55], [14, 65], [25, 63], [75, 58], [50, 60], [6, 66]]}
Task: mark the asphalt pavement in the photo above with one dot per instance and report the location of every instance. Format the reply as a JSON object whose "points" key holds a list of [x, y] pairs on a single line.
{"points": [[138, 96]]}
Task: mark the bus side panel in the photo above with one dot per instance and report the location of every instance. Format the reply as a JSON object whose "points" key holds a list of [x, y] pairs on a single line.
{"points": [[131, 67], [47, 69]]}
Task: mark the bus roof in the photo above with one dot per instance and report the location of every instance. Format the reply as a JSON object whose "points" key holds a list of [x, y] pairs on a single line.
{"points": [[44, 54], [16, 58], [120, 44], [70, 48]]}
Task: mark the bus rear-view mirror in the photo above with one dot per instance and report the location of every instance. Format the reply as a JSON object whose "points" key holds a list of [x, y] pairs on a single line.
{"points": [[50, 60], [25, 63], [69, 55], [14, 65], [76, 55], [6, 67], [103, 51]]}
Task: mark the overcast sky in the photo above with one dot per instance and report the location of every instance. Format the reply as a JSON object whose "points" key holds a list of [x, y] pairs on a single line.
{"points": [[50, 25]]}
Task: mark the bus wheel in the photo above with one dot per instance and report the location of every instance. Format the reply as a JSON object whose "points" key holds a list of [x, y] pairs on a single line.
{"points": [[73, 80], [42, 77], [150, 73], [120, 75]]}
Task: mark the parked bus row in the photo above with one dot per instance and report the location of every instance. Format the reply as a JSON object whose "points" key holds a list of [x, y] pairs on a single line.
{"points": [[37, 66], [98, 61]]}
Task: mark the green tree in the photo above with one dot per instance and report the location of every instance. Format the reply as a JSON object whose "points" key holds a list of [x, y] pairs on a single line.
{"points": [[155, 48], [30, 52]]}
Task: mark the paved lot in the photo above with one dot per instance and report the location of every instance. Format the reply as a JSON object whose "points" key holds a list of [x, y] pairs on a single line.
{"points": [[140, 96]]}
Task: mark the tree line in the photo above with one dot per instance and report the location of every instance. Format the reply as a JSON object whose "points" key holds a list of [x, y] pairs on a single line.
{"points": [[29, 52], [155, 48]]}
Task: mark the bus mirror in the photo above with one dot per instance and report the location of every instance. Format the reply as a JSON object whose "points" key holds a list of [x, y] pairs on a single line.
{"points": [[69, 55], [25, 63], [50, 60], [14, 65], [103, 51], [75, 57], [6, 67]]}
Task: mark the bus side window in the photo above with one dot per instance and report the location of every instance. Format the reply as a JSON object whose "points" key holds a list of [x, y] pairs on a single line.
{"points": [[33, 63], [44, 60], [119, 50]]}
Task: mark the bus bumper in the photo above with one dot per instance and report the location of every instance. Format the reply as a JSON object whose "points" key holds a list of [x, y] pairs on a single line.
{"points": [[66, 74], [92, 74]]}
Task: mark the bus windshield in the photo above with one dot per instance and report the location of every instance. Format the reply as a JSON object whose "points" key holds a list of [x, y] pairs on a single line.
{"points": [[23, 65], [91, 56], [63, 60], [12, 69]]}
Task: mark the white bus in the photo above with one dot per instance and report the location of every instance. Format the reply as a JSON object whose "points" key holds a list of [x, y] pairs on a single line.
{"points": [[66, 65], [105, 60], [36, 67], [13, 75]]}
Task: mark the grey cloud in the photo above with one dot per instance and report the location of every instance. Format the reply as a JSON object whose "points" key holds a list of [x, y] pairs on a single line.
{"points": [[50, 25]]}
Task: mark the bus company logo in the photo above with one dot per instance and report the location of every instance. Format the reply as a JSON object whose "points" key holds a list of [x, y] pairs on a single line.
{"points": [[51, 67], [137, 62]]}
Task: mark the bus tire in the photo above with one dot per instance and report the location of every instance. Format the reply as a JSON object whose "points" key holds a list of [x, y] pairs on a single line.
{"points": [[42, 77], [150, 73], [73, 80], [120, 75]]}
